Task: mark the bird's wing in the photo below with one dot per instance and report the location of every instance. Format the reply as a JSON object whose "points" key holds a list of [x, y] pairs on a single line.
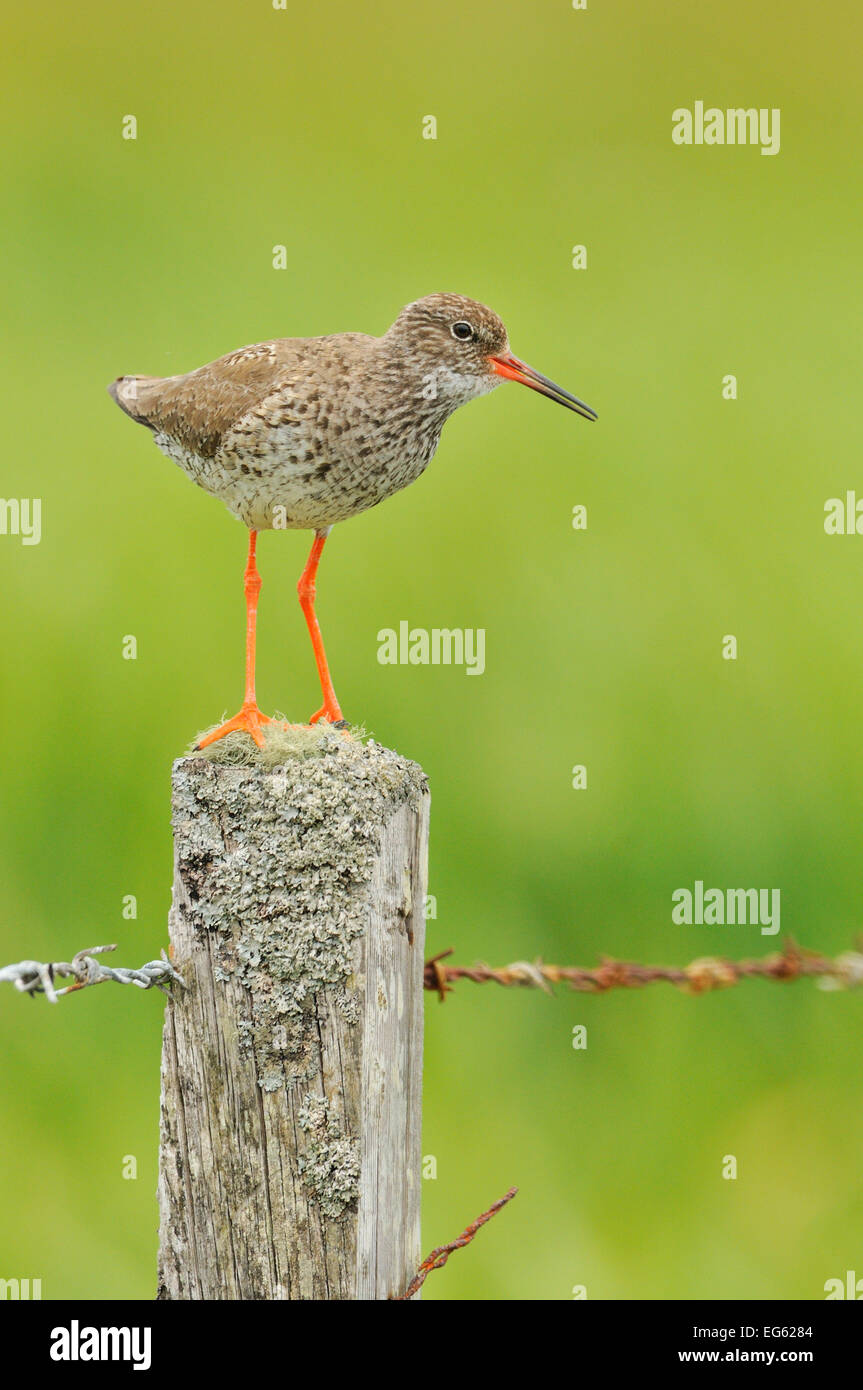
{"points": [[197, 409]]}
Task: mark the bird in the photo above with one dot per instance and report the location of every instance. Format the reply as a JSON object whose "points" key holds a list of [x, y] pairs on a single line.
{"points": [[302, 433]]}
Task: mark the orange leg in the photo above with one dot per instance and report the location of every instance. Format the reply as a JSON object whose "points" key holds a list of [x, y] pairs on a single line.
{"points": [[250, 717], [329, 710]]}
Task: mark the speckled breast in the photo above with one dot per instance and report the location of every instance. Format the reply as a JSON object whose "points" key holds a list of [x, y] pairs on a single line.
{"points": [[290, 473]]}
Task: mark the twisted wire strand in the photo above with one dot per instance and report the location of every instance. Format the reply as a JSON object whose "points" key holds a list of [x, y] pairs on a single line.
{"points": [[35, 977], [845, 971], [439, 1256]]}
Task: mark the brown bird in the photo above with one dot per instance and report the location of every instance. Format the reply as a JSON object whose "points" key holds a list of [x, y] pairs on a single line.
{"points": [[300, 433]]}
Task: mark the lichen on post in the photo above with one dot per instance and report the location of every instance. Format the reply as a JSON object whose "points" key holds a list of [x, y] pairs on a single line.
{"points": [[292, 1063]]}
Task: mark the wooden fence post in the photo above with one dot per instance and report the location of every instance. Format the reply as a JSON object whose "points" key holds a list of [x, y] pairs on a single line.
{"points": [[292, 1064]]}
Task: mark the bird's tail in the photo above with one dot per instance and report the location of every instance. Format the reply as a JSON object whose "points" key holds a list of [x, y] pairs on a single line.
{"points": [[130, 393]]}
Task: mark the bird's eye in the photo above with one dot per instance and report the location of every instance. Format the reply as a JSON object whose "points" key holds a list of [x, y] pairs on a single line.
{"points": [[462, 330]]}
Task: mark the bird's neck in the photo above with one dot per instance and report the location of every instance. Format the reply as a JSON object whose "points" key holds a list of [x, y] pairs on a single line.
{"points": [[430, 389]]}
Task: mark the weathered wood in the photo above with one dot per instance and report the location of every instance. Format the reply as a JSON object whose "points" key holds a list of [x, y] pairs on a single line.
{"points": [[292, 1063]]}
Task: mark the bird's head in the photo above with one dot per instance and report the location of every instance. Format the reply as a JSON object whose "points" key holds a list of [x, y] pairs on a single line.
{"points": [[460, 349]]}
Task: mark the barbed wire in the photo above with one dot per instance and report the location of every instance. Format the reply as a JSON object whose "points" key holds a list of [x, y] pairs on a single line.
{"points": [[438, 1258], [33, 977], [706, 973]]}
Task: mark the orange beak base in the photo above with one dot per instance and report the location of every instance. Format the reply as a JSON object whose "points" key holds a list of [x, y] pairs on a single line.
{"points": [[514, 370]]}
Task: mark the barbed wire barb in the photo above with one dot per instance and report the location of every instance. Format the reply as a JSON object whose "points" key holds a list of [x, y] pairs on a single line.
{"points": [[438, 1257], [35, 977]]}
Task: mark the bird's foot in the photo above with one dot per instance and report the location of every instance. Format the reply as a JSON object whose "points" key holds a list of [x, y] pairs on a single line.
{"points": [[250, 720], [330, 713]]}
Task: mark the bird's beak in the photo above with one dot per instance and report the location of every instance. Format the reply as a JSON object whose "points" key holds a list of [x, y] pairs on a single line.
{"points": [[514, 370]]}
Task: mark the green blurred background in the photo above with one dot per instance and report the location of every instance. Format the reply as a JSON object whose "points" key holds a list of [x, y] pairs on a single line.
{"points": [[257, 128]]}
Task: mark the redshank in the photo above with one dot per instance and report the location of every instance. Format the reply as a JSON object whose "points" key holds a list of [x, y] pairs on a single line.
{"points": [[300, 433]]}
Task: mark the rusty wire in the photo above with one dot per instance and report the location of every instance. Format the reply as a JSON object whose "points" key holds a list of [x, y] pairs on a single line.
{"points": [[707, 973], [438, 1258]]}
